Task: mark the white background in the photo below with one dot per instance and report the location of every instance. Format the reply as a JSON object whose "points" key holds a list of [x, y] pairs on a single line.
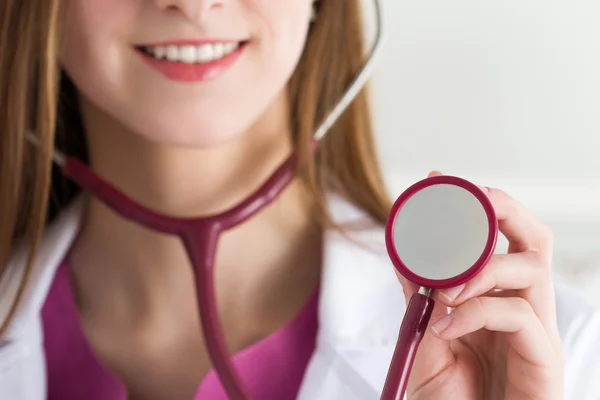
{"points": [[504, 93]]}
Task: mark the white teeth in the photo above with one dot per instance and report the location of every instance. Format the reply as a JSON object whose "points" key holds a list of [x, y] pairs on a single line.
{"points": [[190, 54], [172, 53], [205, 52], [229, 47], [160, 52], [218, 50], [187, 54]]}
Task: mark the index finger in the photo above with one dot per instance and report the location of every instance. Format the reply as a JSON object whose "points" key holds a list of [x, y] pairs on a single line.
{"points": [[523, 230], [529, 235]]}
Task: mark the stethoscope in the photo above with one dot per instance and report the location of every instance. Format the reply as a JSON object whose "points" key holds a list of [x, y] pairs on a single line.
{"points": [[439, 234], [200, 237]]}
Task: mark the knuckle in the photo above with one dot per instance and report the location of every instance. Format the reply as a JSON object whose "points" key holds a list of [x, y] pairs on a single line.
{"points": [[546, 234], [544, 243], [534, 260], [516, 210], [521, 306], [541, 270], [477, 306]]}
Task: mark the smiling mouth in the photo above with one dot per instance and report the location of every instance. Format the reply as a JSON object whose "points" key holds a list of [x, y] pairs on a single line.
{"points": [[192, 54]]}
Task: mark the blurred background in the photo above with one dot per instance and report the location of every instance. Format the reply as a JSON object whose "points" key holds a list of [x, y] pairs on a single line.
{"points": [[506, 94]]}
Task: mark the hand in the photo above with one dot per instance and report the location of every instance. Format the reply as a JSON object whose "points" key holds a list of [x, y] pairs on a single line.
{"points": [[500, 340]]}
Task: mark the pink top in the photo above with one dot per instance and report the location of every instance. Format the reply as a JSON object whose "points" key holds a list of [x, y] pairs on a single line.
{"points": [[272, 368]]}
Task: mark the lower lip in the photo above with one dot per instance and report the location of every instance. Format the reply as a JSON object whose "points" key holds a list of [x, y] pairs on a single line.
{"points": [[179, 71]]}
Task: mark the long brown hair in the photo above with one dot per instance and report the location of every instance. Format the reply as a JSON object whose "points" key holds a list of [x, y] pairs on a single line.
{"points": [[34, 95]]}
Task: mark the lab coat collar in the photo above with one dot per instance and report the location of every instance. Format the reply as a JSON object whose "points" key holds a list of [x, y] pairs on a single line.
{"points": [[360, 312], [360, 309], [55, 243]]}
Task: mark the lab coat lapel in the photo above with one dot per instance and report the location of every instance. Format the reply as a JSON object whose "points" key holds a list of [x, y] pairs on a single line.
{"points": [[55, 243], [360, 311]]}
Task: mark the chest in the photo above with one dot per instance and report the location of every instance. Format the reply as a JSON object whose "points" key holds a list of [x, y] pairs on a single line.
{"points": [[158, 370], [87, 361]]}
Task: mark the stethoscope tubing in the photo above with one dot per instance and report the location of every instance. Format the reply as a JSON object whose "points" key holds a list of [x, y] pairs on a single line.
{"points": [[200, 235], [413, 328]]}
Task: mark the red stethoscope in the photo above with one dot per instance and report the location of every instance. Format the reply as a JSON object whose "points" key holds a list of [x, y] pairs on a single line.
{"points": [[200, 237], [440, 233]]}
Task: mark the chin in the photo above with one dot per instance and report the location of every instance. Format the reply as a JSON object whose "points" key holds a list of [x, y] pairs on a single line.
{"points": [[193, 133], [199, 140]]}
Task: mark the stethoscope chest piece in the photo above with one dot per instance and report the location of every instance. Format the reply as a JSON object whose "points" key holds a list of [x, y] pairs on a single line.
{"points": [[440, 233]]}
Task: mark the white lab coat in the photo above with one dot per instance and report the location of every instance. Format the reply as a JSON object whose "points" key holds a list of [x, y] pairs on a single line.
{"points": [[361, 308]]}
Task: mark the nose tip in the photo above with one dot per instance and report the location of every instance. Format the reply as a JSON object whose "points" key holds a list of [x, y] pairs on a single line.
{"points": [[194, 10]]}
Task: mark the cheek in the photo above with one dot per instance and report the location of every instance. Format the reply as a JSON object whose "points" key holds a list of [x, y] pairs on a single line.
{"points": [[282, 40], [89, 24], [93, 36], [275, 50]]}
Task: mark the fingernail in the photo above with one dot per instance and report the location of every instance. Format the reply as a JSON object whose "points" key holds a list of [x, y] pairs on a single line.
{"points": [[452, 293], [442, 324], [484, 189]]}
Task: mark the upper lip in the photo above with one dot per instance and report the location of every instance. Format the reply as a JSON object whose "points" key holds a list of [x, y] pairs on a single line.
{"points": [[192, 42]]}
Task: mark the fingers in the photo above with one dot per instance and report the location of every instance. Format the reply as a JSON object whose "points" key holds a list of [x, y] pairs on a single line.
{"points": [[532, 239], [438, 354], [519, 273], [513, 316], [503, 271], [527, 267], [524, 231]]}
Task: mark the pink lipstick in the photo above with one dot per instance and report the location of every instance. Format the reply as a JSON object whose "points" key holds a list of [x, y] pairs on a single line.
{"points": [[192, 61]]}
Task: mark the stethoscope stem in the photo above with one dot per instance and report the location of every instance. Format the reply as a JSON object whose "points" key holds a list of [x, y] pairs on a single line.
{"points": [[200, 235], [412, 330]]}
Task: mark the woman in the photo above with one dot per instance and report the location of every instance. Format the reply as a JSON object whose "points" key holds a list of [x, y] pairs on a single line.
{"points": [[187, 106]]}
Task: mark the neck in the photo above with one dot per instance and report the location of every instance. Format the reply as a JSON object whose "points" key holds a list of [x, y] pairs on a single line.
{"points": [[185, 181], [141, 267]]}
